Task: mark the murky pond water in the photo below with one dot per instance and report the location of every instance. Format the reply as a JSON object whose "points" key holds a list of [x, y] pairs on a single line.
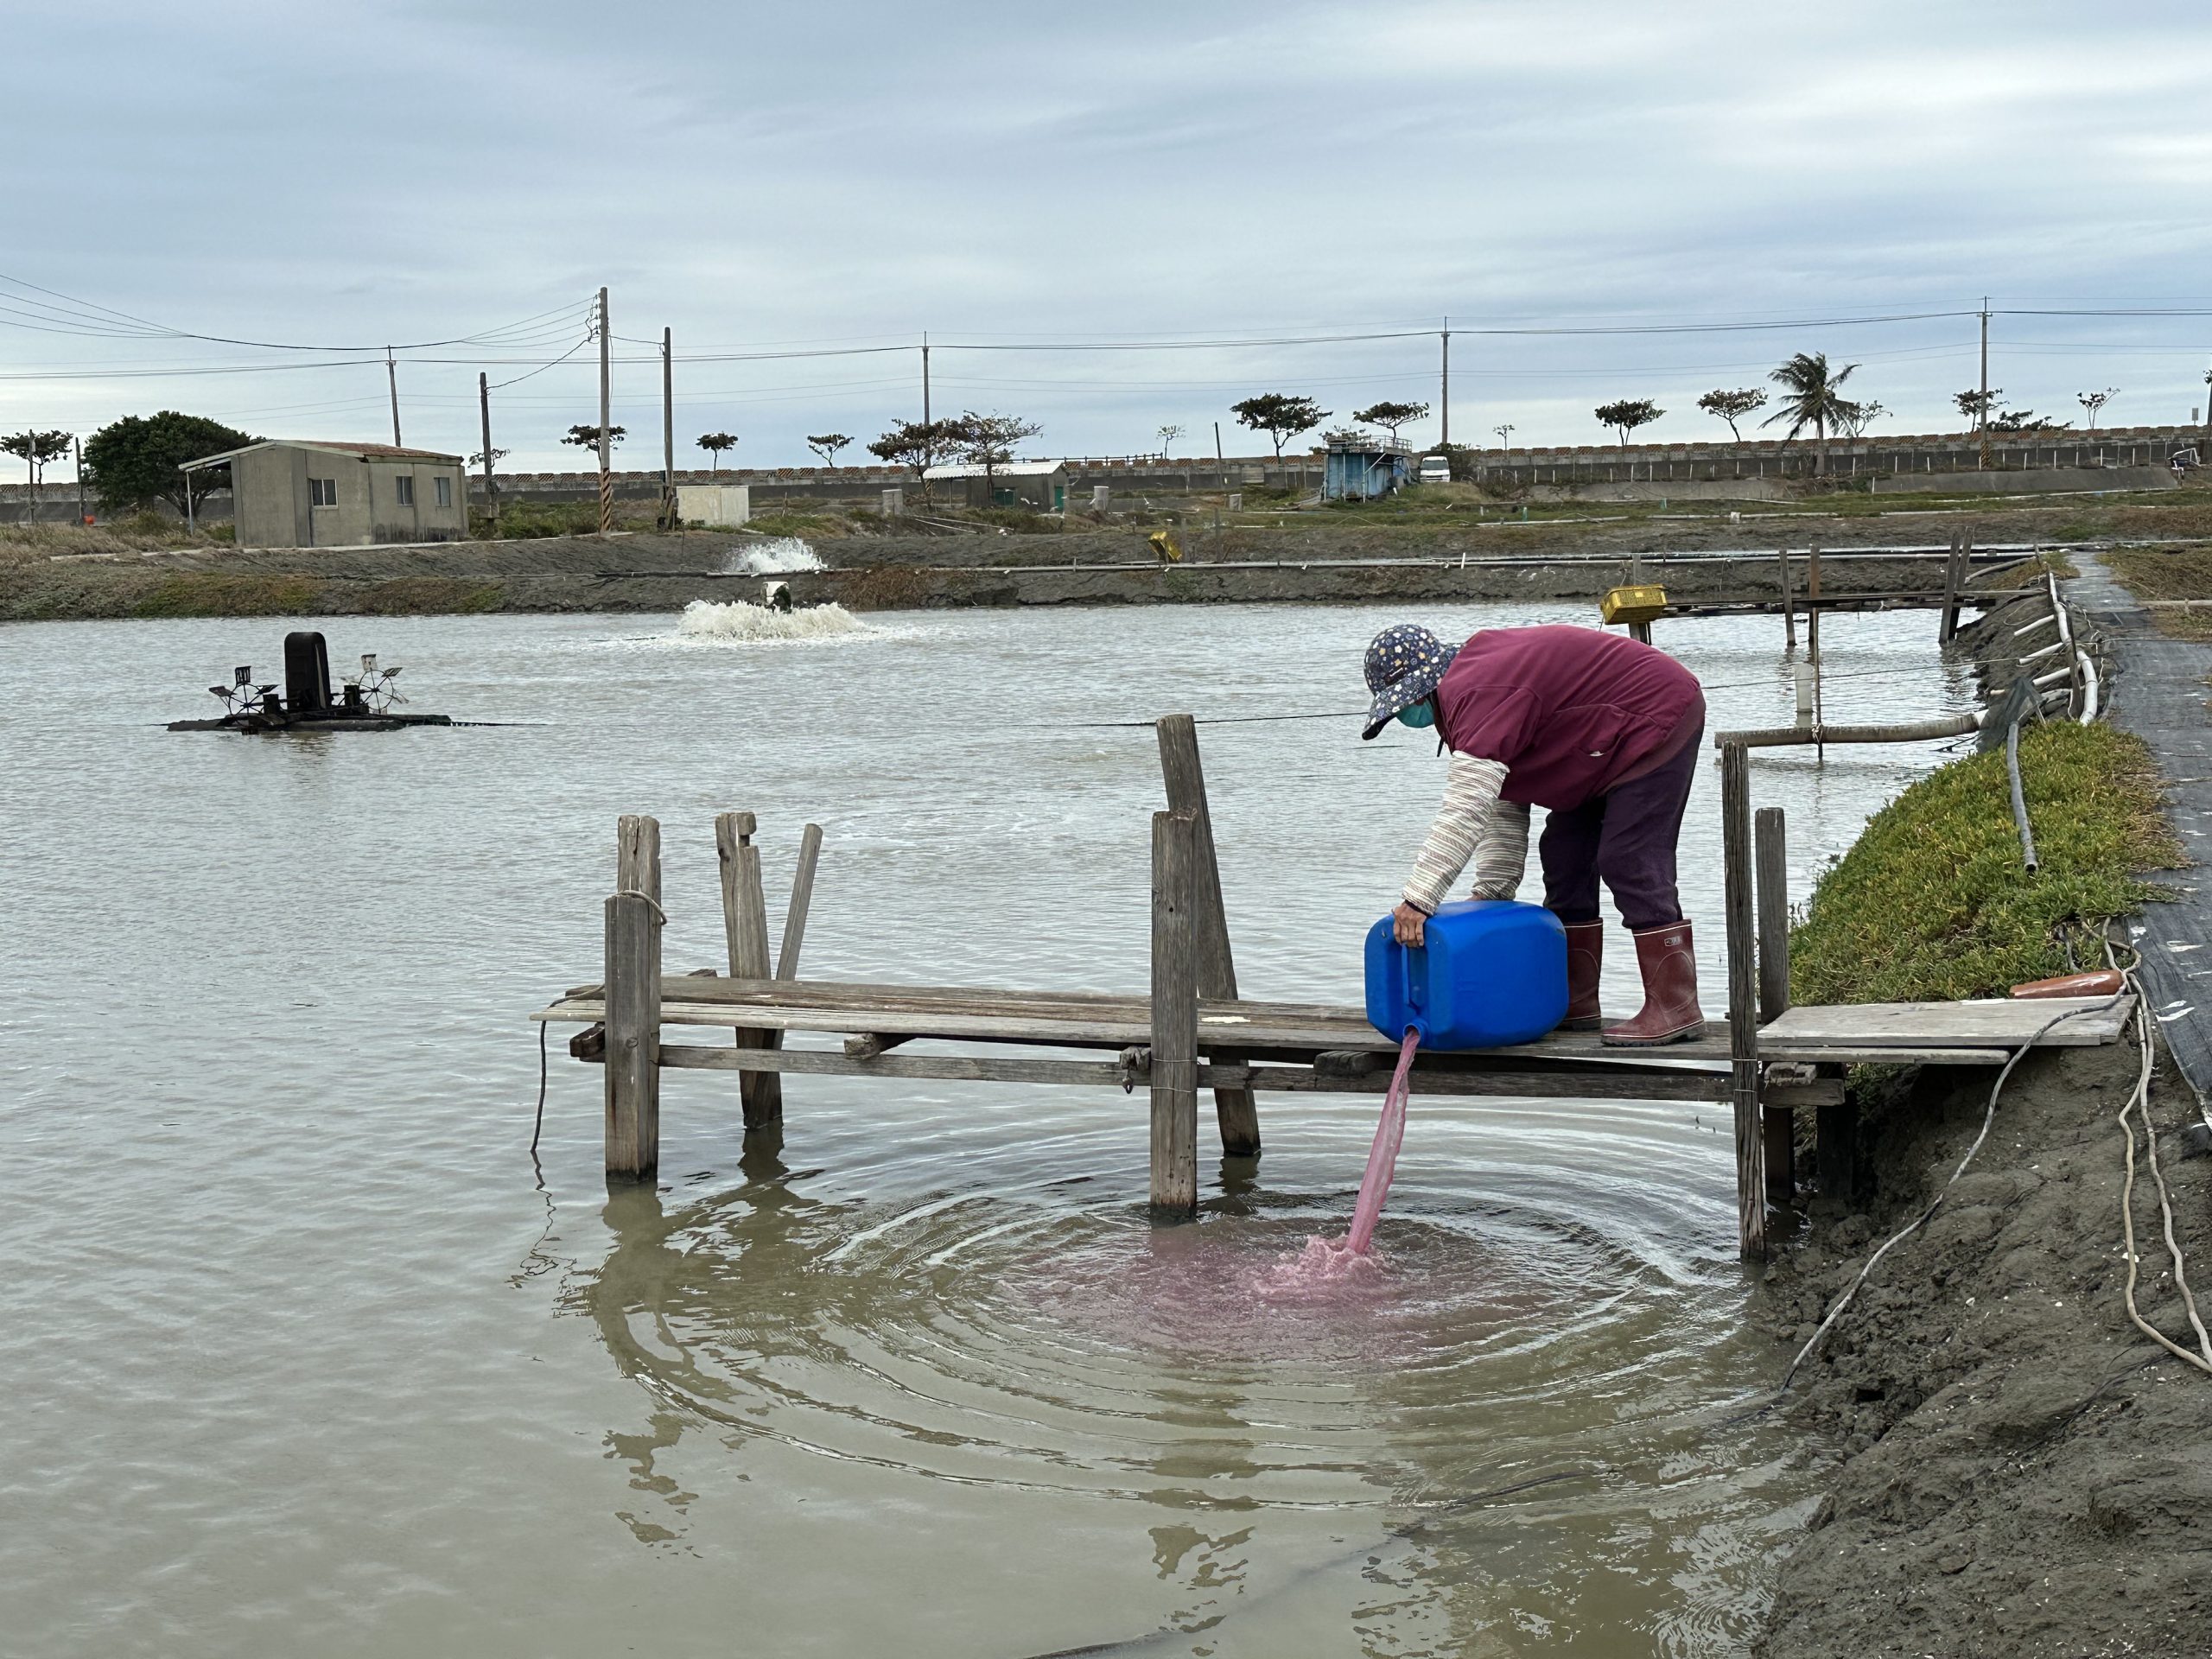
{"points": [[302, 1357]]}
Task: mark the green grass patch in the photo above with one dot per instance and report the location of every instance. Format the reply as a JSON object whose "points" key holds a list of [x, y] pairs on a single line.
{"points": [[1932, 903], [429, 596], [203, 594]]}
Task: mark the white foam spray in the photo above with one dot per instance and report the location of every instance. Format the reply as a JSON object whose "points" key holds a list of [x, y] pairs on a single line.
{"points": [[706, 622], [777, 555]]}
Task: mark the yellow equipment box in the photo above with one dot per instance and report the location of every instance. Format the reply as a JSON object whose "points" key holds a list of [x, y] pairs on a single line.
{"points": [[1633, 605]]}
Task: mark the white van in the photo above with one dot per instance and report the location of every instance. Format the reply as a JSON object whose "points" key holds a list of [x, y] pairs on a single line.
{"points": [[1436, 469]]}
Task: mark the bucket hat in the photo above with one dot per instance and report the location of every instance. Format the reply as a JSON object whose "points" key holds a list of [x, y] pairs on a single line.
{"points": [[1404, 664]]}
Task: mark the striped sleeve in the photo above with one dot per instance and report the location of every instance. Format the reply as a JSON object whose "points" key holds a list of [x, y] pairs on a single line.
{"points": [[1502, 855], [1471, 787]]}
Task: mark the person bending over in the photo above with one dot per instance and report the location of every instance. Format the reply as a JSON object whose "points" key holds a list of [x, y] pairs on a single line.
{"points": [[1600, 731]]}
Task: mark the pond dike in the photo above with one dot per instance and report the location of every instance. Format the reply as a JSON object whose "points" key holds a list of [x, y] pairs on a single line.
{"points": [[1320, 563], [2023, 1472]]}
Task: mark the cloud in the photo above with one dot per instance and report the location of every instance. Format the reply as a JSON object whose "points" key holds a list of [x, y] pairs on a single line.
{"points": [[854, 174]]}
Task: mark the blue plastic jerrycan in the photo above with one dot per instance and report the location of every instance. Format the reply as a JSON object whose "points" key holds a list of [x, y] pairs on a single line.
{"points": [[1490, 972]]}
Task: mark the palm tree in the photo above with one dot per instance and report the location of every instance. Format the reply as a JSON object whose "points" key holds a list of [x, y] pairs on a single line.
{"points": [[1813, 397]]}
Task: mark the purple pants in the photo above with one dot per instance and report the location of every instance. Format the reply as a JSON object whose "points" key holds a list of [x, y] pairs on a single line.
{"points": [[1625, 838]]}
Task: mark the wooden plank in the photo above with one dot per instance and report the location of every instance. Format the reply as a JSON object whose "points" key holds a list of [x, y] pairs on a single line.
{"points": [[1948, 623], [1835, 1151], [745, 928], [1174, 1025], [1235, 1110], [1783, 736], [2001, 1022], [1770, 860], [632, 1081], [1743, 994], [1788, 603], [1589, 1084], [869, 1043], [950, 1068]]}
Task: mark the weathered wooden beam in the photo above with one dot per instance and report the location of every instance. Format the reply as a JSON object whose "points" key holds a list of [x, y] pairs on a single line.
{"points": [[1770, 856], [637, 855], [745, 926], [1788, 603], [1588, 1084], [810, 854], [633, 1045], [1785, 736], [1743, 998], [869, 1043], [1174, 1015], [1236, 1109]]}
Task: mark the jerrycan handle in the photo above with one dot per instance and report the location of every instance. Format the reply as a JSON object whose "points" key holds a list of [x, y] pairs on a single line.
{"points": [[1415, 957]]}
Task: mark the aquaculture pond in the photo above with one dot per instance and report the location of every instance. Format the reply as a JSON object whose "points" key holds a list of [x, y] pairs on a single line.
{"points": [[306, 1354]]}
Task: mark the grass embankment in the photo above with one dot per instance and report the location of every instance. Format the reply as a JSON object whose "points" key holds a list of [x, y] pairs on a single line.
{"points": [[1932, 903], [2168, 573]]}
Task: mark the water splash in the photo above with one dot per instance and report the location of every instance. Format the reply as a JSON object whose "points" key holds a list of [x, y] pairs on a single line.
{"points": [[739, 623], [777, 556]]}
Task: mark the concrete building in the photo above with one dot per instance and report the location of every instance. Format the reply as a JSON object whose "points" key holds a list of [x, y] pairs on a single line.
{"points": [[1041, 484], [295, 493]]}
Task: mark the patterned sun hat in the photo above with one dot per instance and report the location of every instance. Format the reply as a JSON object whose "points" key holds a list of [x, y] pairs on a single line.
{"points": [[1403, 666]]}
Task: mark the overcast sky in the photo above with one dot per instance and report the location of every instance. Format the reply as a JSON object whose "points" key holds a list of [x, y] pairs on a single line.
{"points": [[849, 176]]}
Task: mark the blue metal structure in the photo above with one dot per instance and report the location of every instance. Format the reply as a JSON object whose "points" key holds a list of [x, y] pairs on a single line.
{"points": [[1364, 473]]}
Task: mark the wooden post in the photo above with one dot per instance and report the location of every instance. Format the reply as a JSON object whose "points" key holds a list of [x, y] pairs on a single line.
{"points": [[1950, 623], [1174, 1017], [637, 855], [1742, 999], [1813, 639], [1236, 1109], [1789, 604], [631, 989], [1768, 854], [810, 854], [1779, 1123], [745, 923]]}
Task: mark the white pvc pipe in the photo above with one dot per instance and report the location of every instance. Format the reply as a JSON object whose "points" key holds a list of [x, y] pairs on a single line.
{"points": [[2089, 686], [2040, 622]]}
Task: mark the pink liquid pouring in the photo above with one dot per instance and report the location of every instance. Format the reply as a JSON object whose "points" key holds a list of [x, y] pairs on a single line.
{"points": [[1325, 1259]]}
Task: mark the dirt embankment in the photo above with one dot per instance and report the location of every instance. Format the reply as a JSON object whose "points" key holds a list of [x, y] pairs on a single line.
{"points": [[1315, 560], [2028, 1476]]}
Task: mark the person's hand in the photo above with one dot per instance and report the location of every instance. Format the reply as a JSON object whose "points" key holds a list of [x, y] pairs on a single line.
{"points": [[1406, 922]]}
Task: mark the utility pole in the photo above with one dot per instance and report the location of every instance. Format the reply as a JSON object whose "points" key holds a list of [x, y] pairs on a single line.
{"points": [[80, 444], [605, 421], [926, 377], [392, 373], [484, 407], [1982, 420], [1444, 399], [668, 429]]}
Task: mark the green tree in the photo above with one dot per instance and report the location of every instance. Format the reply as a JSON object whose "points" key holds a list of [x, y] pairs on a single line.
{"points": [[2026, 420], [827, 445], [1856, 417], [1812, 396], [35, 449], [987, 441], [1977, 406], [1167, 435], [2093, 402], [1393, 415], [916, 444], [714, 443], [586, 437], [1278, 415], [133, 463], [1732, 406], [1627, 415]]}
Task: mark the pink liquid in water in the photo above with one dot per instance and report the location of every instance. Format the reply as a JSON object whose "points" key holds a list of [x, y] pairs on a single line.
{"points": [[1327, 1259]]}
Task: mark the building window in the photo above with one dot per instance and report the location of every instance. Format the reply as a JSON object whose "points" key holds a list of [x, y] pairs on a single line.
{"points": [[322, 491], [406, 483], [445, 490]]}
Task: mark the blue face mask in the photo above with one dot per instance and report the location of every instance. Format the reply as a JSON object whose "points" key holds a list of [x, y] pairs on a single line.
{"points": [[1421, 714]]}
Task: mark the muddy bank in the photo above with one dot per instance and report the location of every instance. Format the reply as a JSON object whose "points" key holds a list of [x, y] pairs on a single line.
{"points": [[2025, 1474], [663, 573]]}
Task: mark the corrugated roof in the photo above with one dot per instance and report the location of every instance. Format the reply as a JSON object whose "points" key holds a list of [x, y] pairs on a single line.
{"points": [[363, 451], [1004, 469]]}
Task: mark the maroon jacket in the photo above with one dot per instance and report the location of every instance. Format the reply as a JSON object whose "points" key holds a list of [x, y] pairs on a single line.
{"points": [[1569, 712]]}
